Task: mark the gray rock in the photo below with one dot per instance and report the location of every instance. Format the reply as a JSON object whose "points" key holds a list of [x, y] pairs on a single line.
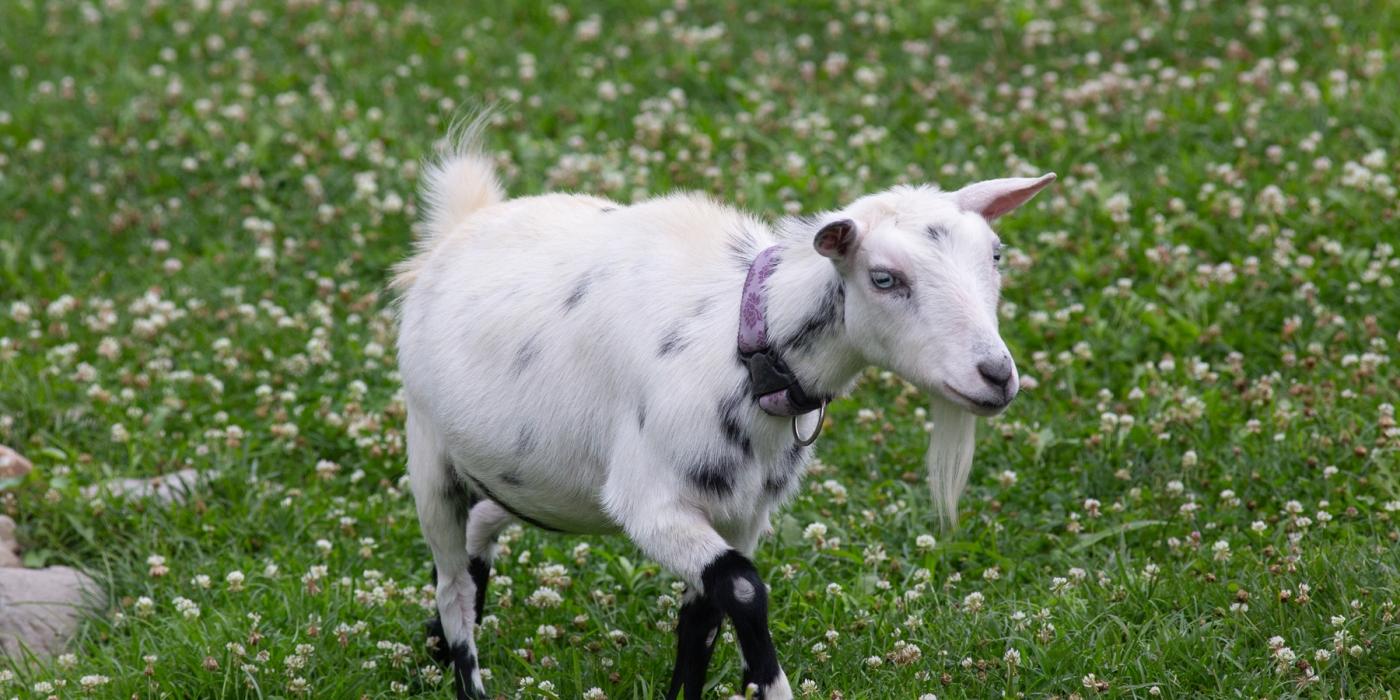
{"points": [[167, 488], [13, 464], [9, 545], [40, 609]]}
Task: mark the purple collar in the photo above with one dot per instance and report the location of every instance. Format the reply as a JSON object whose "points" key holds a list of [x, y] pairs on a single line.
{"points": [[774, 385]]}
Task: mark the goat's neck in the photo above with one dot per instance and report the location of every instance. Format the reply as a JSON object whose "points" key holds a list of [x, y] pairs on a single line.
{"points": [[802, 285]]}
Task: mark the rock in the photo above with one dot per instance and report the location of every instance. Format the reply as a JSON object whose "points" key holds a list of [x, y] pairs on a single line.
{"points": [[13, 464], [167, 488], [9, 545], [40, 609]]}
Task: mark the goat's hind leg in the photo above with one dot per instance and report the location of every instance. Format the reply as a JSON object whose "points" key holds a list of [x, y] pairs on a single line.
{"points": [[696, 628], [486, 521], [443, 507]]}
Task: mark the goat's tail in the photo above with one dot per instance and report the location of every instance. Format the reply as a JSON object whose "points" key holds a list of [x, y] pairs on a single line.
{"points": [[459, 181]]}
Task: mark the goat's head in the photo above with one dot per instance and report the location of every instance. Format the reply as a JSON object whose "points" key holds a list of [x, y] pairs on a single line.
{"points": [[922, 289]]}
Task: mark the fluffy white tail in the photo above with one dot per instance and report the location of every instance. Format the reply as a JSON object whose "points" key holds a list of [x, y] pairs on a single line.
{"points": [[459, 181], [949, 456]]}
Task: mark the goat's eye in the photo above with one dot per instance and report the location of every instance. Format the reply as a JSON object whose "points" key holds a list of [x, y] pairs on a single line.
{"points": [[996, 254], [882, 279]]}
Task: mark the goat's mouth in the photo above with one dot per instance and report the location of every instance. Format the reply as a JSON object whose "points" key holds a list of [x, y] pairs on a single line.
{"points": [[979, 406]]}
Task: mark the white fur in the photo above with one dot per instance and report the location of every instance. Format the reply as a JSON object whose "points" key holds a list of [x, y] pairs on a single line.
{"points": [[532, 352]]}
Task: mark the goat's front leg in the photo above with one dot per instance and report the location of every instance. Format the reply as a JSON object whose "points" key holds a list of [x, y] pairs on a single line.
{"points": [[734, 584], [680, 537]]}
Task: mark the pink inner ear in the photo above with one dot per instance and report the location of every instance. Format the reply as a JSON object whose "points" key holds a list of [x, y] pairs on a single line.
{"points": [[836, 239], [992, 198]]}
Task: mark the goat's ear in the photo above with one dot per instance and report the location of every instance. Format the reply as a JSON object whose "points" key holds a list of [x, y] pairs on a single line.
{"points": [[836, 240], [992, 198]]}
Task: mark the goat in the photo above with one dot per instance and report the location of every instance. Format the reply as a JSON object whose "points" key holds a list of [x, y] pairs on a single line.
{"points": [[571, 362]]}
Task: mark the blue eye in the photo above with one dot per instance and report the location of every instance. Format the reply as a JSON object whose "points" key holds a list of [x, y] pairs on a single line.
{"points": [[882, 279]]}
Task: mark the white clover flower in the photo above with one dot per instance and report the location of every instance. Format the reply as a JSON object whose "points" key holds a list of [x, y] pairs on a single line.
{"points": [[1221, 550], [925, 543], [973, 602], [1012, 658], [544, 598]]}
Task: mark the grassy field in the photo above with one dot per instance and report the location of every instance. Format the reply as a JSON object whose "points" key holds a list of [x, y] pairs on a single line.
{"points": [[1196, 495]]}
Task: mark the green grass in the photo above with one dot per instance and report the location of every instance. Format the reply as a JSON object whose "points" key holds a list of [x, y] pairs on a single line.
{"points": [[199, 210]]}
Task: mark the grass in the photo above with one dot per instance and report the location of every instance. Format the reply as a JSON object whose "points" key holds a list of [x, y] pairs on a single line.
{"points": [[201, 205]]}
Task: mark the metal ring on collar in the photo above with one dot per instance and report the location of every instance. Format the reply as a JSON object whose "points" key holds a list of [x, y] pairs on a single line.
{"points": [[821, 418]]}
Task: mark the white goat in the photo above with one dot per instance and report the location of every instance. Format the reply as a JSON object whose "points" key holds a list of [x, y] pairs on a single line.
{"points": [[572, 363]]}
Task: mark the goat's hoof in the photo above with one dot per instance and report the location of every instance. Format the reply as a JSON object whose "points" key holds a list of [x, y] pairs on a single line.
{"points": [[779, 689]]}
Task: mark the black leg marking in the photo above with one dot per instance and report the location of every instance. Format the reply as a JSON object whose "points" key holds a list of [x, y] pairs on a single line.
{"points": [[696, 629], [480, 571], [463, 663], [734, 584]]}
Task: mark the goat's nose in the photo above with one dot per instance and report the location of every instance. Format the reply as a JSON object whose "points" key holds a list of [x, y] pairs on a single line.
{"points": [[997, 371]]}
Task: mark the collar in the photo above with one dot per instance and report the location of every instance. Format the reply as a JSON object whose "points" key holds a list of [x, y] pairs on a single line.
{"points": [[773, 384]]}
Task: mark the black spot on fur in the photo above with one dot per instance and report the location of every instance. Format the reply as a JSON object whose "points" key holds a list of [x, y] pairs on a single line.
{"points": [[780, 479], [609, 210], [529, 350], [578, 293], [714, 476], [936, 232], [672, 341], [512, 478], [742, 247], [702, 307], [525, 440], [641, 414], [480, 571], [829, 313], [732, 423], [792, 456]]}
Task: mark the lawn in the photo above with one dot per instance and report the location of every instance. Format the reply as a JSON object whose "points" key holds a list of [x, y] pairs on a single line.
{"points": [[1196, 493]]}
